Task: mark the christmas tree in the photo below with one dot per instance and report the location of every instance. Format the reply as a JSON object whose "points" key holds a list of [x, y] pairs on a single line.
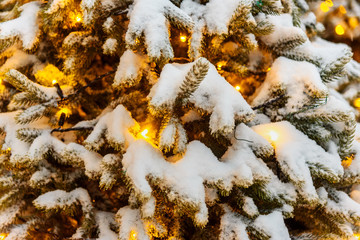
{"points": [[176, 119]]}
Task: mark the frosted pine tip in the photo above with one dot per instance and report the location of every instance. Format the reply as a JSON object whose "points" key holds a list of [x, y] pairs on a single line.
{"points": [[54, 82], [183, 38], [357, 103], [143, 133], [353, 22], [324, 7], [237, 88], [273, 136], [3, 236], [342, 9], [339, 29]]}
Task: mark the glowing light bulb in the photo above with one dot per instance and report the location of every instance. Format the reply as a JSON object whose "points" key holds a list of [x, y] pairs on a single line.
{"points": [[357, 103], [78, 18], [3, 236], [183, 38], [219, 65], [353, 22], [237, 88], [66, 111], [132, 235], [143, 133], [329, 3], [357, 236], [342, 9], [324, 7], [273, 136], [54, 82], [339, 29], [268, 69], [346, 163], [137, 41]]}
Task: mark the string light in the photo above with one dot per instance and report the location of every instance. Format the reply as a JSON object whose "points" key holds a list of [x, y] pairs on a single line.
{"points": [[3, 236], [357, 103], [237, 88], [273, 136], [324, 7], [347, 162], [342, 9], [329, 3], [183, 38], [78, 18], [65, 111], [339, 30], [137, 41], [353, 22], [54, 82], [219, 65], [144, 133], [357, 236], [268, 69], [132, 235]]}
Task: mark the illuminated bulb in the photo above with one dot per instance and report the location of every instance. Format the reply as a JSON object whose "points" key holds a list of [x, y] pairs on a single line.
{"points": [[78, 18], [324, 7], [237, 88], [66, 111], [3, 236], [329, 3], [353, 22], [54, 82], [357, 236], [183, 38], [268, 69], [132, 235], [346, 163], [342, 9], [273, 136], [219, 65], [357, 102], [339, 29], [137, 41], [143, 133]]}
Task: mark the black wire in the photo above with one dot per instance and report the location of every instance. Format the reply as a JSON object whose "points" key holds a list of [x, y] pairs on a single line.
{"points": [[70, 129]]}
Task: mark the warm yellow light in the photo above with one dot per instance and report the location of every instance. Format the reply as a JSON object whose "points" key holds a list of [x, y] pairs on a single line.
{"points": [[342, 9], [3, 236], [329, 3], [78, 18], [219, 65], [132, 235], [353, 22], [357, 236], [268, 69], [357, 103], [183, 38], [237, 88], [54, 82], [339, 29], [347, 162], [273, 136], [143, 133], [324, 7], [137, 41], [66, 111]]}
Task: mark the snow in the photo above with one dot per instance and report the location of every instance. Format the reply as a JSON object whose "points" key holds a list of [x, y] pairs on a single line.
{"points": [[233, 226], [112, 126], [18, 60], [272, 225], [104, 220], [110, 46], [297, 162], [129, 71], [299, 80], [184, 179], [8, 215], [60, 199], [284, 30], [24, 27], [130, 224], [149, 18], [214, 95]]}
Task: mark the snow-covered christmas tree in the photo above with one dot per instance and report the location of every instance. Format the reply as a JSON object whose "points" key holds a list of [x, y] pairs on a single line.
{"points": [[176, 119]]}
